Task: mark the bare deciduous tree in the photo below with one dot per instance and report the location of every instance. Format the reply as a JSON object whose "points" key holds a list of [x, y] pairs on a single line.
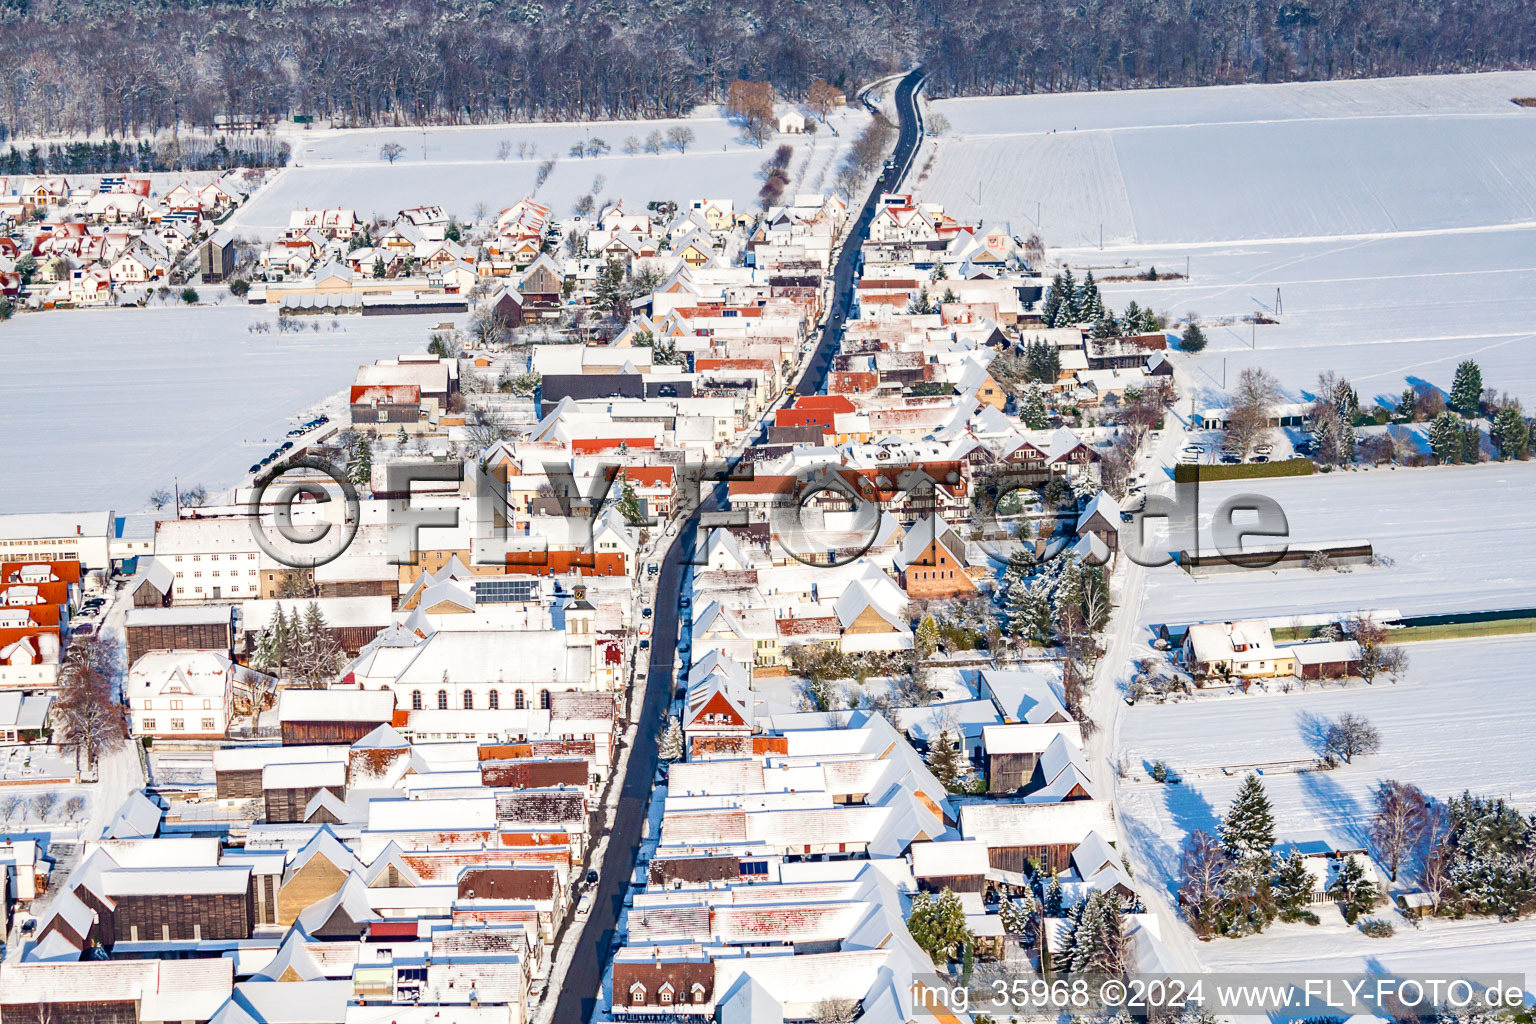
{"points": [[1350, 737], [391, 151], [44, 803], [1402, 815]]}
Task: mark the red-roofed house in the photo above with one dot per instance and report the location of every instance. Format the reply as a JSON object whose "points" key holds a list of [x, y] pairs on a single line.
{"points": [[385, 403]]}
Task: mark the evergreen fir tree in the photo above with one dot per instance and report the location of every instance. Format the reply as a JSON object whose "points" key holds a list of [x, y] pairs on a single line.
{"points": [[1149, 321], [926, 638], [1248, 901], [671, 747], [1352, 891], [1445, 437], [1325, 437], [1293, 889], [265, 657], [1098, 940], [1132, 317], [1510, 433], [1019, 566], [1193, 339], [1347, 443], [1031, 618], [946, 761], [1467, 388], [1248, 829], [1043, 361], [937, 924], [1092, 305], [360, 470], [401, 439], [1105, 326], [1033, 411], [1015, 913], [1471, 444], [1050, 311], [1407, 402], [1052, 899], [1071, 308]]}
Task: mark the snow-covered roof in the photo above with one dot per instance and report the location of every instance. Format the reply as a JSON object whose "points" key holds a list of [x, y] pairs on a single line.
{"points": [[336, 705], [955, 857], [222, 880], [137, 818]]}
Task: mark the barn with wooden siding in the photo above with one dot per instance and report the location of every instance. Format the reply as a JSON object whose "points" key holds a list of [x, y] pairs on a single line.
{"points": [[287, 789], [180, 904], [1336, 659], [1013, 751], [959, 865], [188, 628], [1019, 834], [115, 991], [309, 717], [237, 771], [152, 585]]}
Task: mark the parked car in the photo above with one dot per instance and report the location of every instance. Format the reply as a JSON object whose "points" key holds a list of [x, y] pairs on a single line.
{"points": [[1260, 458], [255, 467], [645, 612], [1230, 459], [591, 876], [684, 601], [645, 645], [285, 446]]}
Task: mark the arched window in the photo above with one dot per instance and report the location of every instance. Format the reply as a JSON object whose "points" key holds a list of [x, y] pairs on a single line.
{"points": [[494, 701], [543, 700], [415, 700], [469, 699], [442, 700], [518, 701]]}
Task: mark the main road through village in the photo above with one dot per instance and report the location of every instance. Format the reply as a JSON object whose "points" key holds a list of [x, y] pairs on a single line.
{"points": [[577, 998]]}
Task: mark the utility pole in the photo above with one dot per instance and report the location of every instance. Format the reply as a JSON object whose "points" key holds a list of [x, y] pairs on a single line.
{"points": [[1186, 266], [1279, 306], [1101, 236]]}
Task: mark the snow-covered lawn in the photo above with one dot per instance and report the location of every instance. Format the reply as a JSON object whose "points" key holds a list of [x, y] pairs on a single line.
{"points": [[460, 167], [107, 405], [1397, 217]]}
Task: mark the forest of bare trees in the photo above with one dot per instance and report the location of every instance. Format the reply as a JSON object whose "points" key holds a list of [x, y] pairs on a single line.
{"points": [[72, 66]]}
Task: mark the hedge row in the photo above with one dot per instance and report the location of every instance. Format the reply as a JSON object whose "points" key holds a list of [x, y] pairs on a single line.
{"points": [[1244, 471]]}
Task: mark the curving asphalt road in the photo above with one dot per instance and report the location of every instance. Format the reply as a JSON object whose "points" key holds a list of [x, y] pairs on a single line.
{"points": [[578, 994]]}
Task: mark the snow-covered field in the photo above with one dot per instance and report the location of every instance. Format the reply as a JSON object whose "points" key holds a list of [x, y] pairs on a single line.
{"points": [[1452, 533], [1397, 217], [1458, 720], [107, 405], [460, 167]]}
